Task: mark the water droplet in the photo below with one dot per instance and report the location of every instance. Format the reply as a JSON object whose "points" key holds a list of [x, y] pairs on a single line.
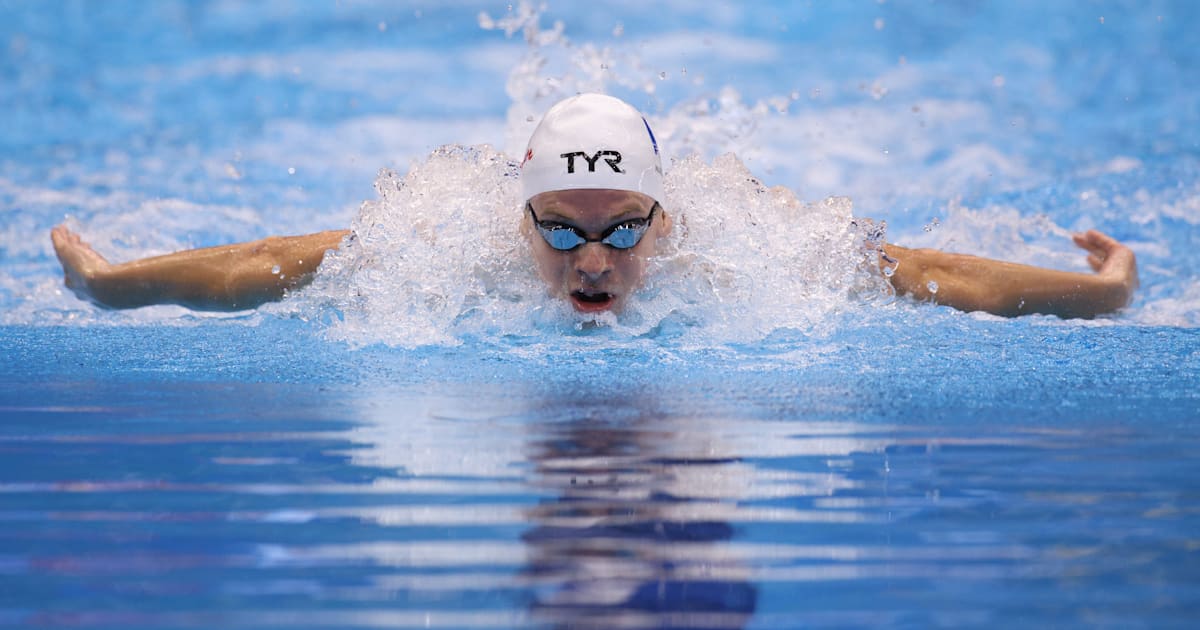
{"points": [[662, 76], [291, 170], [879, 24], [275, 270], [932, 286], [889, 271], [618, 30], [382, 26]]}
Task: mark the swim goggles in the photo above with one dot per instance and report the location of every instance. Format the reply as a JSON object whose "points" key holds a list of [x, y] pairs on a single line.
{"points": [[563, 237]]}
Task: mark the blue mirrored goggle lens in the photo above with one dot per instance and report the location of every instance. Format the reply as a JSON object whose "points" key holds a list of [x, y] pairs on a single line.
{"points": [[565, 239], [561, 238], [625, 237]]}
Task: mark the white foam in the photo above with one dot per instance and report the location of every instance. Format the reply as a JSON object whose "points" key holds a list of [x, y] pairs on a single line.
{"points": [[439, 257]]}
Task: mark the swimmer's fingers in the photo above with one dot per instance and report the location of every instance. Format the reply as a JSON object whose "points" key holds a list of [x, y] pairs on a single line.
{"points": [[1100, 247], [64, 241], [1090, 240], [61, 236], [80, 262], [1109, 257], [1096, 253]]}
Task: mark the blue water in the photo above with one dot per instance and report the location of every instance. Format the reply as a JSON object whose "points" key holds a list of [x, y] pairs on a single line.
{"points": [[793, 450]]}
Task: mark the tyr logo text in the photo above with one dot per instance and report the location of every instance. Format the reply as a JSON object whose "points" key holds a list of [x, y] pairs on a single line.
{"points": [[612, 158]]}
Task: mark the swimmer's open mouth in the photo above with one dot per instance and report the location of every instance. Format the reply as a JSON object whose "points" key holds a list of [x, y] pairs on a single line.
{"points": [[590, 301]]}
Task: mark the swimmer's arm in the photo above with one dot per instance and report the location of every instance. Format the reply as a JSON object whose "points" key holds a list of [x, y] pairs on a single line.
{"points": [[970, 283], [225, 278]]}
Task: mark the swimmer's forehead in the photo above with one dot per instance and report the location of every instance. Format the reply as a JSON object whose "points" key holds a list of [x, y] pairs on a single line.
{"points": [[591, 203]]}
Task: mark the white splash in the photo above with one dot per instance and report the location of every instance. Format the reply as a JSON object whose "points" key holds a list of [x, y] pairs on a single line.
{"points": [[438, 255], [439, 258]]}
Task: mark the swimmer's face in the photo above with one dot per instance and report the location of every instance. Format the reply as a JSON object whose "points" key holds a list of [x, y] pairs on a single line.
{"points": [[594, 277]]}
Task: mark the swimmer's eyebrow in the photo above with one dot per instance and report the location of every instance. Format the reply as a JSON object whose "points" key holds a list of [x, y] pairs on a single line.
{"points": [[632, 211]]}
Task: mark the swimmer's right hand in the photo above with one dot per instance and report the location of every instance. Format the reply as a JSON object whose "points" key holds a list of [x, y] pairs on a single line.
{"points": [[81, 264]]}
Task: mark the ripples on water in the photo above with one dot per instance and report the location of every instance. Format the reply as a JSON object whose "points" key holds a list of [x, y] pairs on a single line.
{"points": [[512, 508]]}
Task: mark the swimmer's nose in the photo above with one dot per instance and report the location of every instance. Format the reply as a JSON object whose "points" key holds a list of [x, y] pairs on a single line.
{"points": [[593, 261]]}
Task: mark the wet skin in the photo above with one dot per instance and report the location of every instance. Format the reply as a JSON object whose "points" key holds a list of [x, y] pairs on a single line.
{"points": [[594, 277]]}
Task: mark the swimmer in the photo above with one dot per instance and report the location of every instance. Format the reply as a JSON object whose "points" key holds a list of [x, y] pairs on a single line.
{"points": [[592, 183]]}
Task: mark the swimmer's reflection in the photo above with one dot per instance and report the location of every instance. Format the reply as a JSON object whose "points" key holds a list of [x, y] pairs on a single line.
{"points": [[635, 535]]}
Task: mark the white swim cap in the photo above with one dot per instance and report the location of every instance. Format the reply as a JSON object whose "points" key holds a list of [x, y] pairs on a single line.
{"points": [[592, 141]]}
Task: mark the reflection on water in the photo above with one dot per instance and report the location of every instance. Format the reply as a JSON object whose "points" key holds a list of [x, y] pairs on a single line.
{"points": [[634, 533], [510, 507]]}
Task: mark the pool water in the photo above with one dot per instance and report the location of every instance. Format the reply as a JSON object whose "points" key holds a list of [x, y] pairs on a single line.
{"points": [[766, 440]]}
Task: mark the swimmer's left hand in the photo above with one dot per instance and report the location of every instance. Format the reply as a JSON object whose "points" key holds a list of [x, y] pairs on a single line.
{"points": [[1112, 261]]}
